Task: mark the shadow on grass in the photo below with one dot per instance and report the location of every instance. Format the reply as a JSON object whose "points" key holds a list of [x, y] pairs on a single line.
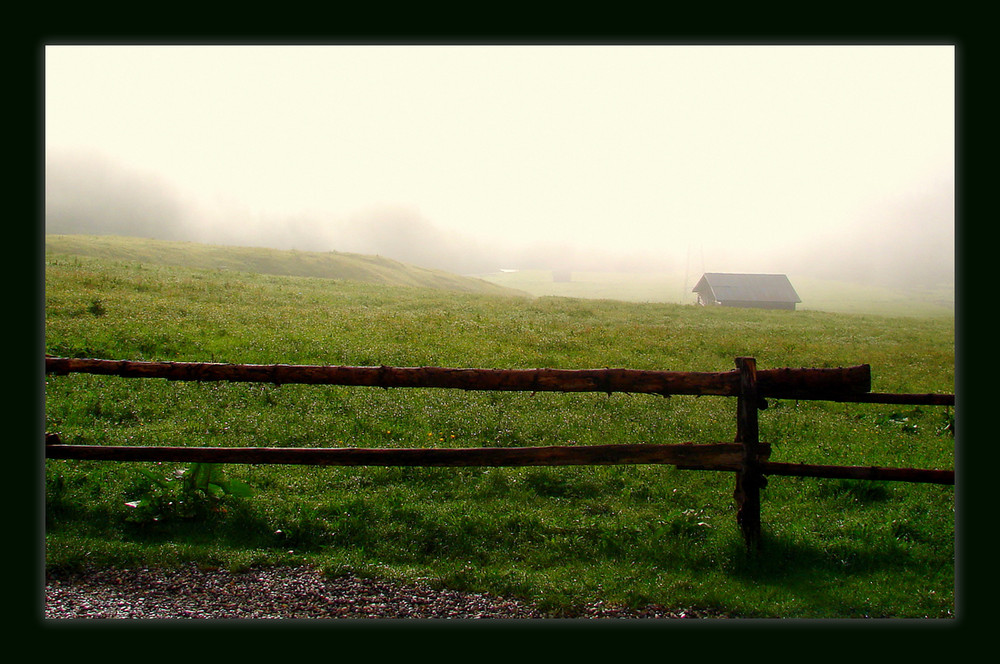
{"points": [[781, 559], [223, 525]]}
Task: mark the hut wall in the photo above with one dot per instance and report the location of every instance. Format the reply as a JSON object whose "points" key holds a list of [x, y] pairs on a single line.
{"points": [[759, 305]]}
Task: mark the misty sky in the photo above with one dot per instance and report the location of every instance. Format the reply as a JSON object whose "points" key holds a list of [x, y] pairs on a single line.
{"points": [[624, 148]]}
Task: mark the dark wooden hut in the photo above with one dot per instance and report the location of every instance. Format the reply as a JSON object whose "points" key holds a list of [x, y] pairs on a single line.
{"points": [[761, 291]]}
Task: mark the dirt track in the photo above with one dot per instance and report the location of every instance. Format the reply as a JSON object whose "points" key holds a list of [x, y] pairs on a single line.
{"points": [[286, 593]]}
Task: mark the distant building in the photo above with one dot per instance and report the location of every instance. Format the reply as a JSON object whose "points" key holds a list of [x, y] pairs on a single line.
{"points": [[760, 291]]}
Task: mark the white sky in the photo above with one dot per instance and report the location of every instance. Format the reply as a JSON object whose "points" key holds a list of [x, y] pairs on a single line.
{"points": [[617, 146]]}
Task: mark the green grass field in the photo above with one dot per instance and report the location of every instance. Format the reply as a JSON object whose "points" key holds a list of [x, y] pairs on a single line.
{"points": [[559, 536]]}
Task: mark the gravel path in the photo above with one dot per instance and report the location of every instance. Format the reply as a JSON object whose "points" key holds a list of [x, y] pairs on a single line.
{"points": [[275, 593]]}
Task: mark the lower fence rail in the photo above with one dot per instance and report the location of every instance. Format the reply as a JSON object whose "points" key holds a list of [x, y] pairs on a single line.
{"points": [[718, 456]]}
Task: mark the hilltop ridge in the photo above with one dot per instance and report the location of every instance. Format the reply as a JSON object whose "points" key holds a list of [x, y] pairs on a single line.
{"points": [[326, 265]]}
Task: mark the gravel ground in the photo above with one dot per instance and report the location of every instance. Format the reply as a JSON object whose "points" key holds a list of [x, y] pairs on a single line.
{"points": [[275, 593]]}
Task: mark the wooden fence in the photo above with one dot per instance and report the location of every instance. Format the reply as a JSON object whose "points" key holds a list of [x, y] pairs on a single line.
{"points": [[747, 457]]}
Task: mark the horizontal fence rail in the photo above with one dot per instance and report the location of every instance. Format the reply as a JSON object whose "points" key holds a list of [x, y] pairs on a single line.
{"points": [[747, 457], [717, 456], [858, 472], [903, 399], [776, 383]]}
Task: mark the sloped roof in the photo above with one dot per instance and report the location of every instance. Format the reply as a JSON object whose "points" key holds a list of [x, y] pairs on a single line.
{"points": [[728, 287]]}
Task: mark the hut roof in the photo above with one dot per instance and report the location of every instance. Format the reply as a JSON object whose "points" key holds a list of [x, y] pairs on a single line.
{"points": [[728, 287]]}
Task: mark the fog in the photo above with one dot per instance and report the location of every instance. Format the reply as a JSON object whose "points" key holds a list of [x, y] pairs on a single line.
{"points": [[831, 162]]}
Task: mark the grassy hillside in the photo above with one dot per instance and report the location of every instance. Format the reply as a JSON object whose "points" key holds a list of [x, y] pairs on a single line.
{"points": [[558, 536], [326, 265]]}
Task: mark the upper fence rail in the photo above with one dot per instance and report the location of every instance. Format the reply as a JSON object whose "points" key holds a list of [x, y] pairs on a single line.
{"points": [[844, 382], [852, 384]]}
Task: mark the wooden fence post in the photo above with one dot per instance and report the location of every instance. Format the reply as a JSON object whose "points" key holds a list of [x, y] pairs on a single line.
{"points": [[749, 480]]}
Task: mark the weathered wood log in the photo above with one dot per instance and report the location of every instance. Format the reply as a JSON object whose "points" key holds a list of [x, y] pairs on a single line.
{"points": [[859, 472], [715, 456], [773, 382], [930, 399], [789, 382]]}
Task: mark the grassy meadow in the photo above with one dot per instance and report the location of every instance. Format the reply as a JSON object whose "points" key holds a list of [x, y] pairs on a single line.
{"points": [[559, 536]]}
